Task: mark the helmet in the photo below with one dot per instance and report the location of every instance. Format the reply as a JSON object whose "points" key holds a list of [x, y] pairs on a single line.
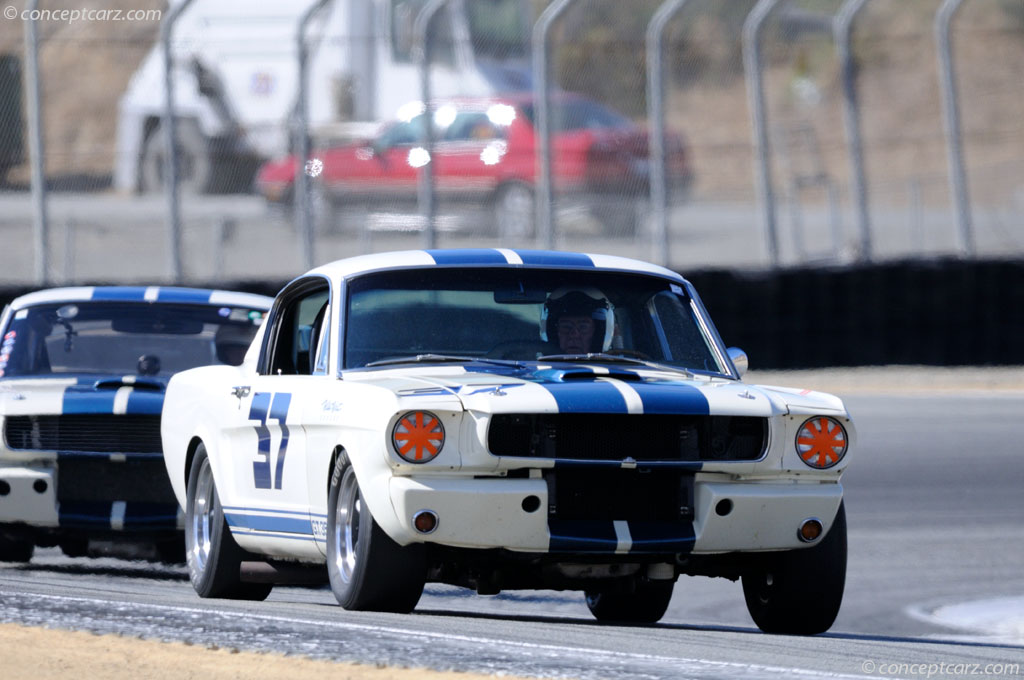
{"points": [[582, 301]]}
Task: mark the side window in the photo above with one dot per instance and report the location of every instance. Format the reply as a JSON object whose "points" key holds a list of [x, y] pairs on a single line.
{"points": [[321, 347], [679, 334], [295, 346]]}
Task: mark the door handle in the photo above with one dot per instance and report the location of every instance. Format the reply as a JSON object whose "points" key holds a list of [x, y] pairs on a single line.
{"points": [[240, 391]]}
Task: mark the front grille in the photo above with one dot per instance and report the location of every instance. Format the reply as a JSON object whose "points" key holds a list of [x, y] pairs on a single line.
{"points": [[84, 433], [652, 437], [97, 479], [608, 495]]}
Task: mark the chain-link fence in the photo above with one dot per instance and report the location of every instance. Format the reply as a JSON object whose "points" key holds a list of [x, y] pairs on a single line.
{"points": [[788, 132]]}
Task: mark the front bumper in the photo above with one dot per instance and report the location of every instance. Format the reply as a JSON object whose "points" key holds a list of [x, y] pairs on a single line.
{"points": [[32, 495], [513, 514]]}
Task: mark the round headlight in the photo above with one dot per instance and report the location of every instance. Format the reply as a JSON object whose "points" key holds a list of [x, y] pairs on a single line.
{"points": [[418, 436], [821, 442]]}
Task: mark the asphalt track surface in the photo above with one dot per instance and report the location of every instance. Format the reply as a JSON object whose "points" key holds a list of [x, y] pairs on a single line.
{"points": [[934, 587]]}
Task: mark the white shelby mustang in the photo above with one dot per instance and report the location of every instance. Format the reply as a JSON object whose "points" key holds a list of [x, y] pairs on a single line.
{"points": [[503, 419], [82, 378]]}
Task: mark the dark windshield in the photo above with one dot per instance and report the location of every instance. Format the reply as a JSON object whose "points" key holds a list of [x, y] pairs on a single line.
{"points": [[124, 338], [521, 315], [580, 114]]}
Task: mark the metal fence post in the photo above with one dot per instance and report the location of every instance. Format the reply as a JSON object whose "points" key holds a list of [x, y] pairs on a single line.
{"points": [[951, 118], [303, 207], [542, 114], [755, 94], [171, 147], [842, 29], [656, 123], [426, 195], [34, 105]]}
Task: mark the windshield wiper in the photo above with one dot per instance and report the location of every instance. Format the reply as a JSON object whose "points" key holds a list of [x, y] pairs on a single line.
{"points": [[440, 358], [601, 357]]}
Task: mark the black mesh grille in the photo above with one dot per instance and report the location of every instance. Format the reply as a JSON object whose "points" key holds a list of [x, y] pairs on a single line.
{"points": [[91, 479], [589, 436], [86, 433]]}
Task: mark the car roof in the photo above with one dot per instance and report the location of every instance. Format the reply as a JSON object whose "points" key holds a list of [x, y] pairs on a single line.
{"points": [[489, 257], [166, 294]]}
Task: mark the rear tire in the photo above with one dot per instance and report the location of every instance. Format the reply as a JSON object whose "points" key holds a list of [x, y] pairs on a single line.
{"points": [[646, 604], [214, 559], [368, 571], [799, 592]]}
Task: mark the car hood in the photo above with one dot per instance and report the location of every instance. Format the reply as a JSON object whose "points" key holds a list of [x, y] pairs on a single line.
{"points": [[93, 394], [591, 388]]}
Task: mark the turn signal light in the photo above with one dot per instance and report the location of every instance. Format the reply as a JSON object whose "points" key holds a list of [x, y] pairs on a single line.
{"points": [[821, 442], [418, 436], [810, 530]]}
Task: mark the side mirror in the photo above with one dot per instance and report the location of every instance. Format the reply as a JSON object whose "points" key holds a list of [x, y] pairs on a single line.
{"points": [[739, 359]]}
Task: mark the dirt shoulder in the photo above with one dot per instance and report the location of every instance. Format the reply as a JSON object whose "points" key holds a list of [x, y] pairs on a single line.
{"points": [[47, 654]]}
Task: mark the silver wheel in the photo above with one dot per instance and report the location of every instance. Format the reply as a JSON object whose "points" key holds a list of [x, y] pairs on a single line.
{"points": [[198, 537], [346, 526]]}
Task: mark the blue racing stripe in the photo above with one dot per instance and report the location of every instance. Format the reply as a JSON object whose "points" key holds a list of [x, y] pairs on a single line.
{"points": [[88, 401], [150, 516], [288, 525], [582, 535], [129, 293], [587, 397], [84, 514], [661, 537], [549, 258], [467, 256], [667, 397], [190, 295], [142, 402]]}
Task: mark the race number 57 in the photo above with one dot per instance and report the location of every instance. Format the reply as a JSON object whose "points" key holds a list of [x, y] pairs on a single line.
{"points": [[269, 406]]}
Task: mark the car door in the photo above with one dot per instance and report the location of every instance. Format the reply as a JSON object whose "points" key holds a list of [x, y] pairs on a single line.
{"points": [[269, 443]]}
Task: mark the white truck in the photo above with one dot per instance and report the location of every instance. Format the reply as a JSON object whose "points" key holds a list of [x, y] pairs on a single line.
{"points": [[236, 79]]}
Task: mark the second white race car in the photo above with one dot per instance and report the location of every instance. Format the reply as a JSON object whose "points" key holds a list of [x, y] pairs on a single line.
{"points": [[502, 419]]}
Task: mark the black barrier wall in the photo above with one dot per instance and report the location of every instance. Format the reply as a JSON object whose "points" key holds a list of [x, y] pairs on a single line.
{"points": [[937, 313]]}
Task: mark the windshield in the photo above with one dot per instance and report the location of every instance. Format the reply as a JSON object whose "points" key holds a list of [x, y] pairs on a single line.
{"points": [[523, 315], [124, 338]]}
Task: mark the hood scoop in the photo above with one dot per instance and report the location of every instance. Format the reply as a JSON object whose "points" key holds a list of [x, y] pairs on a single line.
{"points": [[584, 373], [137, 383]]}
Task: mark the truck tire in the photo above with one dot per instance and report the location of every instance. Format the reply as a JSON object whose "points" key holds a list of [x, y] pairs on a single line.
{"points": [[514, 212], [799, 592], [195, 164]]}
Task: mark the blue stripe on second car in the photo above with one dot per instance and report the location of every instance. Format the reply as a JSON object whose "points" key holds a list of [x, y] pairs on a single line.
{"points": [[547, 258], [126, 293], [666, 397], [88, 401], [143, 402], [467, 256], [190, 295]]}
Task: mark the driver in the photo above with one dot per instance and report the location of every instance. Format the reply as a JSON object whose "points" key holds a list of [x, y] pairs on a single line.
{"points": [[581, 320]]}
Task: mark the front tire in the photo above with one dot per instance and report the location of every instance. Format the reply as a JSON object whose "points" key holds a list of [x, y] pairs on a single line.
{"points": [[214, 559], [195, 162], [799, 592], [647, 603], [15, 549], [368, 571]]}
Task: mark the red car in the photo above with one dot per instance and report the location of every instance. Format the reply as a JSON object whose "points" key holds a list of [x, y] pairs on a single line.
{"points": [[485, 154]]}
